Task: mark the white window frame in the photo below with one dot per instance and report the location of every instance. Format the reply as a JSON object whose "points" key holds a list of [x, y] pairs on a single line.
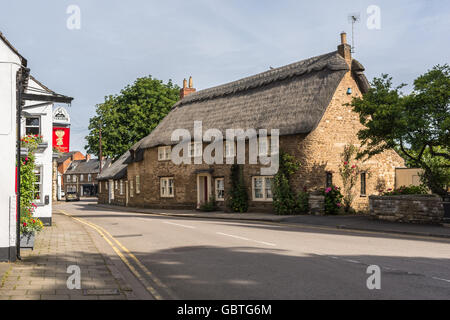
{"points": [[68, 178], [265, 198], [32, 126], [116, 186], [40, 184], [219, 198], [138, 184], [89, 177], [74, 178], [121, 187], [81, 177], [164, 153], [166, 190], [131, 188]]}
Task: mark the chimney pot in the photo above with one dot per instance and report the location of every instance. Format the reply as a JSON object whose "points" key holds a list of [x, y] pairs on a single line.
{"points": [[343, 38], [185, 91]]}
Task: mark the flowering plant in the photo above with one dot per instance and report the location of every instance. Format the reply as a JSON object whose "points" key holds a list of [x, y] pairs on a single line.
{"points": [[28, 223], [31, 141], [333, 200], [411, 190]]}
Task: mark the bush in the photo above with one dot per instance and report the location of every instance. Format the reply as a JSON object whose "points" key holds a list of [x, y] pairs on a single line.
{"points": [[302, 202], [284, 199], [238, 200], [411, 190], [333, 200], [209, 206]]}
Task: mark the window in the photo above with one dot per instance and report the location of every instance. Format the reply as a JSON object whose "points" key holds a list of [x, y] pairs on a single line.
{"points": [[167, 189], [38, 184], [230, 149], [220, 189], [33, 126], [329, 182], [89, 177], [100, 187], [363, 184], [131, 188], [164, 153], [138, 184], [262, 188], [106, 186], [196, 149], [68, 178], [116, 186], [81, 177], [121, 187], [74, 178]]}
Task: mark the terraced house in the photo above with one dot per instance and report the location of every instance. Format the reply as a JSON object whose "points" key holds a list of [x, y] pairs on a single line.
{"points": [[305, 100]]}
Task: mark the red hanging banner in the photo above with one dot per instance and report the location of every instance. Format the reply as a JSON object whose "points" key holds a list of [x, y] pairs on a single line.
{"points": [[61, 139]]}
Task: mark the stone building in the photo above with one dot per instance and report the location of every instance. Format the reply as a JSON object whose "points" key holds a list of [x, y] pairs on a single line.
{"points": [[61, 164], [306, 101], [81, 176]]}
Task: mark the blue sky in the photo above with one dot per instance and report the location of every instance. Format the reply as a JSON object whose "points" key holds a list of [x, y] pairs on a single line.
{"points": [[214, 41]]}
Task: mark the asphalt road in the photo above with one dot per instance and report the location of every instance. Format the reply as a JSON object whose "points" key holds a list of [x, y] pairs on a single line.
{"points": [[217, 259]]}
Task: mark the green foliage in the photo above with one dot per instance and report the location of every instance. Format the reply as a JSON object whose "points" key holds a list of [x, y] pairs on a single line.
{"points": [[415, 125], [411, 190], [349, 171], [28, 223], [333, 200], [130, 116], [302, 202], [27, 185], [209, 206], [238, 197], [285, 202]]}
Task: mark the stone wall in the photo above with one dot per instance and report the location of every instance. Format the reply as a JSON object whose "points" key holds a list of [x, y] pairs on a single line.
{"points": [[408, 208]]}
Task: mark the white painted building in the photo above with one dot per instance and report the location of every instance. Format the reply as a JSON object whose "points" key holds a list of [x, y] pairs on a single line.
{"points": [[38, 119], [14, 77], [10, 63]]}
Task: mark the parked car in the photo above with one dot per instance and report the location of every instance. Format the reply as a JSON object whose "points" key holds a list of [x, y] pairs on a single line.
{"points": [[72, 196]]}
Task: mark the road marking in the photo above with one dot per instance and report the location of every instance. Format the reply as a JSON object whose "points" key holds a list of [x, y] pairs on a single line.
{"points": [[246, 239], [178, 225], [149, 288], [435, 278]]}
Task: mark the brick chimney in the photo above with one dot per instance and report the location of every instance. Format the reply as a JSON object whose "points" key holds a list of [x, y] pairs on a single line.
{"points": [[344, 49], [88, 157], [187, 90]]}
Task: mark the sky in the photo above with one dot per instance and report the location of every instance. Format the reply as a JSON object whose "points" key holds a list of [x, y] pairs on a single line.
{"points": [[214, 41]]}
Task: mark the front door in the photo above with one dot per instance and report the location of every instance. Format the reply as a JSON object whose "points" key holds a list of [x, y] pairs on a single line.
{"points": [[203, 189]]}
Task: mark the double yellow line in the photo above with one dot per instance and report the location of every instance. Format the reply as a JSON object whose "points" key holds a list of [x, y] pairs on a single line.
{"points": [[110, 240]]}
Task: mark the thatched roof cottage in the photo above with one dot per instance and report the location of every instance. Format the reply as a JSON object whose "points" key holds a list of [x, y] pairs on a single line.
{"points": [[305, 101]]}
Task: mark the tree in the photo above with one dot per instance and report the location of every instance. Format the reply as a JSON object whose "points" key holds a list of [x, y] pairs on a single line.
{"points": [[238, 197], [416, 125], [284, 200], [130, 116]]}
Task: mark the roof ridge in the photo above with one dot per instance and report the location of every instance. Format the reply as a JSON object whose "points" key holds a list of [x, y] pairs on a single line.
{"points": [[298, 68]]}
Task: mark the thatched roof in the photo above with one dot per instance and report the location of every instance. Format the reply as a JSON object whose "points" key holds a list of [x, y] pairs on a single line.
{"points": [[292, 98], [117, 170]]}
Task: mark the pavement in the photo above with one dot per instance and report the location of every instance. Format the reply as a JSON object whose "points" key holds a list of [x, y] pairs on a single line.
{"points": [[347, 222], [42, 273]]}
